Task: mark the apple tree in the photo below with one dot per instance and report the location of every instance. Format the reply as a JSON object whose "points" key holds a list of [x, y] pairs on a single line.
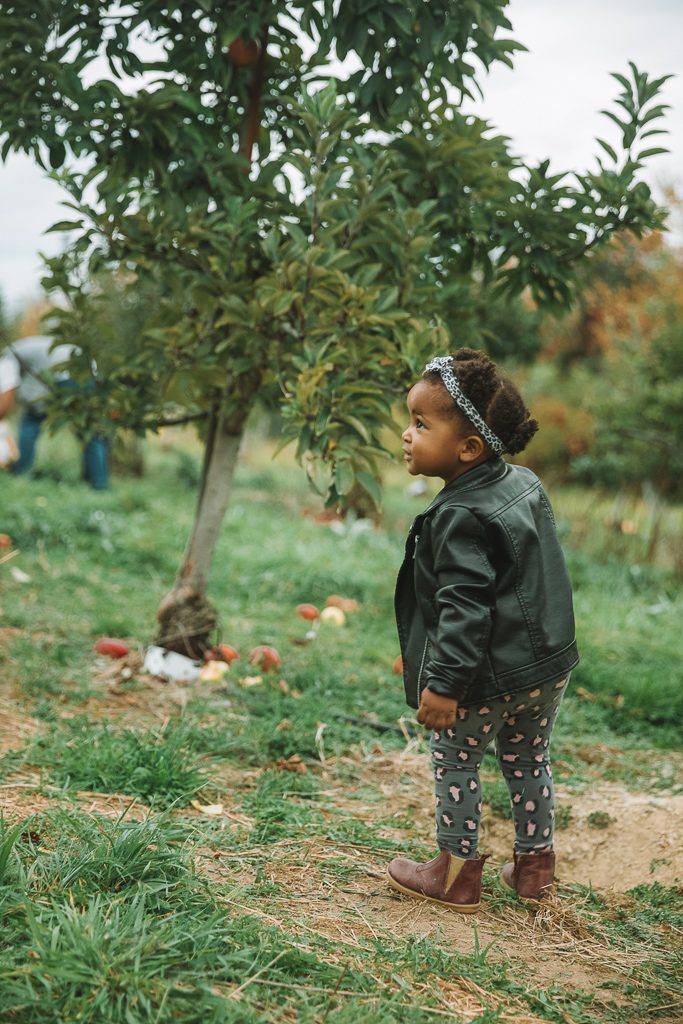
{"points": [[299, 186]]}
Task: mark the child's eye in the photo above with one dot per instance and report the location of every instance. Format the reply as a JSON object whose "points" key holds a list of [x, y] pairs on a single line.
{"points": [[419, 423]]}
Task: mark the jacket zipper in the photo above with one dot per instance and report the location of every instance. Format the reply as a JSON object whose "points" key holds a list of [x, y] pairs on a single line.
{"points": [[419, 675]]}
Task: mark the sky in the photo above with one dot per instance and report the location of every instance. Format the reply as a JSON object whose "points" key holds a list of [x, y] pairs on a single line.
{"points": [[548, 105]]}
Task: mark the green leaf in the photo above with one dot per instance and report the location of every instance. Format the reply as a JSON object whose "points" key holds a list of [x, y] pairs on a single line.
{"points": [[372, 485], [623, 125], [318, 473], [344, 476], [65, 225], [283, 303], [354, 422], [655, 151], [57, 151], [608, 149]]}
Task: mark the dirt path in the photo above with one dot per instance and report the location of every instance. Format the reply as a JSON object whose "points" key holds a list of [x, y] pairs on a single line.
{"points": [[615, 839]]}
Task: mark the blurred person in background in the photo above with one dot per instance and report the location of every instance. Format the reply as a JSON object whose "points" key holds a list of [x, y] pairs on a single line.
{"points": [[29, 369]]}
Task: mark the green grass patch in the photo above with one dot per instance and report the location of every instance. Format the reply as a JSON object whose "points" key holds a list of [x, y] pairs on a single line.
{"points": [[158, 766], [281, 804], [110, 922], [173, 918]]}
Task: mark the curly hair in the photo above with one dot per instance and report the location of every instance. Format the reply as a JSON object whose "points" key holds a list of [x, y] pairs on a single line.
{"points": [[493, 395]]}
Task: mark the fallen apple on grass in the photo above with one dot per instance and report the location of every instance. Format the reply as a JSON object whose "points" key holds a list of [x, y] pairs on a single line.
{"points": [[266, 658], [307, 611], [5, 540], [246, 682], [346, 604], [214, 672], [333, 615], [222, 652], [111, 647]]}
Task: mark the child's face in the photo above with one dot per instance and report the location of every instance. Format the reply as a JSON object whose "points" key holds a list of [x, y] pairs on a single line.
{"points": [[435, 443]]}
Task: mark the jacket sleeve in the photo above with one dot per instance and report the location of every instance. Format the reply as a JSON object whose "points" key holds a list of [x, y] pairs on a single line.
{"points": [[464, 602]]}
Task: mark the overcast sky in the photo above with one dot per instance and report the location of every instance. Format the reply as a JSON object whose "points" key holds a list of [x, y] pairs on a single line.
{"points": [[548, 106]]}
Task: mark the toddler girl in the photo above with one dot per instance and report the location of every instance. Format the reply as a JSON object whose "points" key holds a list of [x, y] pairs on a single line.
{"points": [[485, 621]]}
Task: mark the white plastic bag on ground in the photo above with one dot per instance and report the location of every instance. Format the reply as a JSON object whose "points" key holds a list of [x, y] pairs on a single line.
{"points": [[170, 665]]}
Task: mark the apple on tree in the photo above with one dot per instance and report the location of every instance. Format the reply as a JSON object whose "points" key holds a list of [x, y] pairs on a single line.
{"points": [[243, 52]]}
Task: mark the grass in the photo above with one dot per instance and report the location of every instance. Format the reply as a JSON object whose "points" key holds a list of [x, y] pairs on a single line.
{"points": [[110, 921], [156, 766], [276, 909]]}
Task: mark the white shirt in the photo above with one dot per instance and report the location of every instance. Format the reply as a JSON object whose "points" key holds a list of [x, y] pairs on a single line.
{"points": [[38, 358], [10, 377]]}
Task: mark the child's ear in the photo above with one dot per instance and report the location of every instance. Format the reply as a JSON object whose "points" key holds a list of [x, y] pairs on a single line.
{"points": [[473, 446]]}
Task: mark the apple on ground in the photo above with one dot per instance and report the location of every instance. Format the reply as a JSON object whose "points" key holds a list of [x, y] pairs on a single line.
{"points": [[307, 611], [5, 540], [333, 615], [222, 652], [214, 671], [347, 604], [111, 647], [265, 657]]}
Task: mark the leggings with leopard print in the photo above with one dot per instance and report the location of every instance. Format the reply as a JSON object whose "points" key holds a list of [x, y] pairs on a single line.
{"points": [[521, 725]]}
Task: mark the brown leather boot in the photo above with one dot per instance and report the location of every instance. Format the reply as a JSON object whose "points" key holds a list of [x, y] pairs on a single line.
{"points": [[531, 874], [447, 879]]}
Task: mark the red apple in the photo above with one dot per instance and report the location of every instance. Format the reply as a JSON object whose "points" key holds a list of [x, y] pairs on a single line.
{"points": [[266, 658], [243, 52], [221, 652], [224, 652], [5, 540], [307, 611], [112, 648]]}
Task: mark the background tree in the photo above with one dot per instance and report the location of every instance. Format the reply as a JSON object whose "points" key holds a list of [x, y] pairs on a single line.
{"points": [[636, 304], [616, 286], [306, 239]]}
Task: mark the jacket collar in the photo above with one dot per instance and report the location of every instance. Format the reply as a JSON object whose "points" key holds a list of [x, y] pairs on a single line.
{"points": [[481, 476]]}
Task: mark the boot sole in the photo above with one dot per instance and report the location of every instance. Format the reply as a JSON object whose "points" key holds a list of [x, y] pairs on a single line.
{"points": [[460, 908]]}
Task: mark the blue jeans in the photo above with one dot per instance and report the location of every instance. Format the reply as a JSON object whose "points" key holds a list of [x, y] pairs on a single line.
{"points": [[95, 451]]}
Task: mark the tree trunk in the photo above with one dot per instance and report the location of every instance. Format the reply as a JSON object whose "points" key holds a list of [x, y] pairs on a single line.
{"points": [[186, 618]]}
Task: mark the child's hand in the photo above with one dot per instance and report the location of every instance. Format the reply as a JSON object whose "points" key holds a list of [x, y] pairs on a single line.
{"points": [[436, 712]]}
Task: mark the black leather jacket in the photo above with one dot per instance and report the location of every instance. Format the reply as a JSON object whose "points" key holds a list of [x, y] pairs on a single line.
{"points": [[483, 599]]}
